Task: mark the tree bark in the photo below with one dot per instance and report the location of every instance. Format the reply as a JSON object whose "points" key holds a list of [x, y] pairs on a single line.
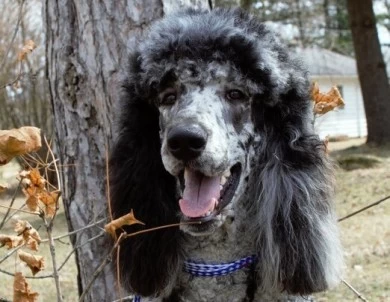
{"points": [[87, 47], [372, 70]]}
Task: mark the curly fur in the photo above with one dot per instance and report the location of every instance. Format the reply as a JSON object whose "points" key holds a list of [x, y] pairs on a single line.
{"points": [[282, 208]]}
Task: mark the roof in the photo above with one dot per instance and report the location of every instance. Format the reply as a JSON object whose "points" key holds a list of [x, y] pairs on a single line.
{"points": [[323, 62]]}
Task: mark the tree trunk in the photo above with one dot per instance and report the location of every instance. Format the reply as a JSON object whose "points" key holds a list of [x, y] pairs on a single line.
{"points": [[86, 49], [372, 70]]}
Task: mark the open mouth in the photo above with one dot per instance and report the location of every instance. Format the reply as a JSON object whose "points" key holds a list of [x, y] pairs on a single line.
{"points": [[204, 197]]}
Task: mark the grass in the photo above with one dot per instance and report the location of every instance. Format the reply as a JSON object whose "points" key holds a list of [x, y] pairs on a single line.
{"points": [[366, 236]]}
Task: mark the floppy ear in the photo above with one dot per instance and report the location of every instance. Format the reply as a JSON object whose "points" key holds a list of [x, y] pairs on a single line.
{"points": [[298, 244], [138, 181]]}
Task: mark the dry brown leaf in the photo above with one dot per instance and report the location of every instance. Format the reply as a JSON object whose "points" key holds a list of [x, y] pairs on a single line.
{"points": [[32, 244], [36, 178], [22, 290], [50, 201], [35, 263], [30, 235], [127, 219], [11, 241], [325, 102], [28, 47], [32, 203], [3, 188], [16, 142]]}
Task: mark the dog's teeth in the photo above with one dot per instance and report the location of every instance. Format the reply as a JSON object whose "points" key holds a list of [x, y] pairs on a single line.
{"points": [[223, 180], [227, 173]]}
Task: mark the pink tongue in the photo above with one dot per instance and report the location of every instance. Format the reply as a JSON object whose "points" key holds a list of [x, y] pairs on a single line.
{"points": [[200, 194]]}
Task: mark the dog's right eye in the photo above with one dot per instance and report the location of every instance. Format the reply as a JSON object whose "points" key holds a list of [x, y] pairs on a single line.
{"points": [[235, 95], [168, 98]]}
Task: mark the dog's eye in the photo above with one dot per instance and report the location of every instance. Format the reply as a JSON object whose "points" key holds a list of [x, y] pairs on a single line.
{"points": [[168, 98], [235, 95]]}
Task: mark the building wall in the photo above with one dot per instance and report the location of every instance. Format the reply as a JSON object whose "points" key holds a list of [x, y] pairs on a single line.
{"points": [[348, 121]]}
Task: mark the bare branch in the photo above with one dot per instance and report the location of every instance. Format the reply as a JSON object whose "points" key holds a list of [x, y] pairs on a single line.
{"points": [[359, 295], [363, 209], [10, 206]]}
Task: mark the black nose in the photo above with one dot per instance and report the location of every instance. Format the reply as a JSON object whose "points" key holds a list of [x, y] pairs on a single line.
{"points": [[187, 142]]}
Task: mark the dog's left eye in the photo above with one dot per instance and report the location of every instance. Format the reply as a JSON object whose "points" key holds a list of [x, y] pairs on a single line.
{"points": [[235, 95], [168, 98]]}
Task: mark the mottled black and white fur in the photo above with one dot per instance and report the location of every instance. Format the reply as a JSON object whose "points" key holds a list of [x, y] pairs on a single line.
{"points": [[226, 73]]}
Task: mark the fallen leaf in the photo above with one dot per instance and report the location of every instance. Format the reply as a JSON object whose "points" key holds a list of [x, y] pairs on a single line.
{"points": [[127, 219], [325, 102], [22, 290], [16, 142], [28, 47], [11, 241], [35, 263]]}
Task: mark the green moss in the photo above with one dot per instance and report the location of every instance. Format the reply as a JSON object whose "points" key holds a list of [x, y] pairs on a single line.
{"points": [[357, 161]]}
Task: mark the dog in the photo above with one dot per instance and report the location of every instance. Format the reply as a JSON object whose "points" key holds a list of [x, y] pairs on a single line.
{"points": [[215, 133]]}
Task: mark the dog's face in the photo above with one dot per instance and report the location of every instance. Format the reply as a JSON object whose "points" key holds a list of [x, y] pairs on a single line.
{"points": [[206, 135]]}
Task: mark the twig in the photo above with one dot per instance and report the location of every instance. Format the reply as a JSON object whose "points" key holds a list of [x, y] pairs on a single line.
{"points": [[158, 228], [49, 229], [20, 210], [77, 247], [101, 267], [365, 208], [10, 253], [76, 231], [127, 298], [6, 53], [108, 186], [359, 295], [10, 206]]}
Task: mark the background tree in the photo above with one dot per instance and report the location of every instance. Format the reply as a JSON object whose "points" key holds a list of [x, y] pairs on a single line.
{"points": [[23, 90], [372, 70], [87, 48]]}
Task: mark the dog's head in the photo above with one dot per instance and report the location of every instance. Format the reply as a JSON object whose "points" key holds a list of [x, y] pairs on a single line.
{"points": [[206, 73], [215, 110]]}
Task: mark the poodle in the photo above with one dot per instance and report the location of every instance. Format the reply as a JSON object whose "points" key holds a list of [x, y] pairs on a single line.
{"points": [[215, 132]]}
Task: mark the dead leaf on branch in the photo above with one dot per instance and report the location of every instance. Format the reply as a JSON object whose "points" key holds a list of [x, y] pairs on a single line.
{"points": [[38, 198], [11, 241], [35, 263], [325, 102], [22, 290], [29, 234], [127, 219], [3, 188], [28, 47], [50, 201], [19, 141]]}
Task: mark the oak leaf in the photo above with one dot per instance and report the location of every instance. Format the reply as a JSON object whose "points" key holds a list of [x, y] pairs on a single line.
{"points": [[22, 290], [28, 47], [11, 241], [35, 263], [325, 102], [16, 142], [127, 219]]}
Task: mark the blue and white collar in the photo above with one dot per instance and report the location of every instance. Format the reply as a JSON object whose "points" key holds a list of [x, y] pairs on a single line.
{"points": [[202, 269]]}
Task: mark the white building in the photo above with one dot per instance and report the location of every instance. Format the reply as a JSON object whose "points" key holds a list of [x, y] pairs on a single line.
{"points": [[332, 69]]}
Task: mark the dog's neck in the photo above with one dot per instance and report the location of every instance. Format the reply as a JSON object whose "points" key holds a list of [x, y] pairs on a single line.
{"points": [[230, 242]]}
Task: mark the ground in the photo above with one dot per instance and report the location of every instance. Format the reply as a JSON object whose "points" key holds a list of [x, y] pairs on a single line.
{"points": [[366, 236]]}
